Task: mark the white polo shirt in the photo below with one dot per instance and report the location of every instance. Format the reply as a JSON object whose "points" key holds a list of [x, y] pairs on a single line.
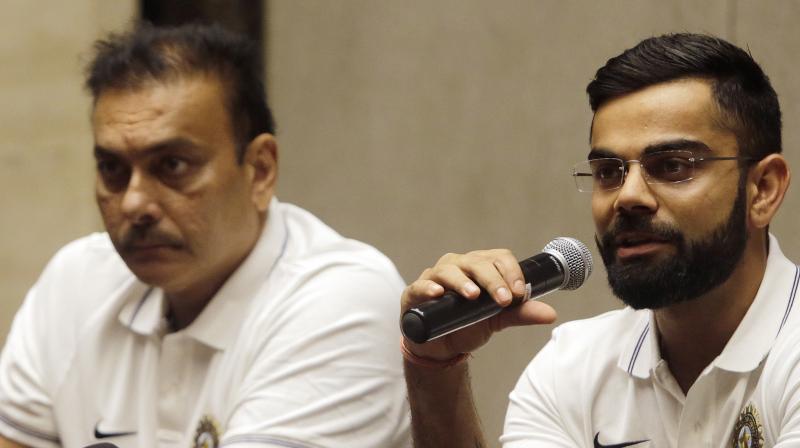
{"points": [[602, 381], [297, 349]]}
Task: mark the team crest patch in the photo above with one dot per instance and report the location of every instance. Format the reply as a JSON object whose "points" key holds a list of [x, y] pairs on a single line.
{"points": [[207, 434], [748, 432]]}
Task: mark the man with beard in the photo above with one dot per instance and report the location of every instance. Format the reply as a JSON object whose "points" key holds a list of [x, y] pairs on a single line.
{"points": [[209, 313], [685, 173]]}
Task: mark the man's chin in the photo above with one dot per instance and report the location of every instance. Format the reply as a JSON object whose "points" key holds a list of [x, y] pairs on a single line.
{"points": [[640, 265], [157, 274], [640, 282], [640, 299]]}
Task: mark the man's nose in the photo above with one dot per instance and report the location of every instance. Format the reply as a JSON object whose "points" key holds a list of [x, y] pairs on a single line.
{"points": [[635, 195], [140, 202]]}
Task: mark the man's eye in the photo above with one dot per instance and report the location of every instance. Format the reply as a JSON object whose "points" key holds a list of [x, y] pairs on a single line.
{"points": [[108, 167], [113, 173], [173, 166], [605, 172], [671, 169]]}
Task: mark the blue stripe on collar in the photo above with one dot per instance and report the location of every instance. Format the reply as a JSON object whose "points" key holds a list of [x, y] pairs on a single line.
{"points": [[139, 305], [639, 344], [792, 295]]}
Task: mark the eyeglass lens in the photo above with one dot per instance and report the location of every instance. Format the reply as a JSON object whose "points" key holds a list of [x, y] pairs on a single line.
{"points": [[658, 167]]}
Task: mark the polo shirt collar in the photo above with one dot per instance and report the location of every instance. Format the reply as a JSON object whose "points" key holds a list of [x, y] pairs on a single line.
{"points": [[641, 352], [753, 338], [143, 312], [219, 323]]}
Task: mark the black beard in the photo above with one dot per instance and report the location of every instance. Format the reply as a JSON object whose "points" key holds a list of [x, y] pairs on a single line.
{"points": [[697, 268]]}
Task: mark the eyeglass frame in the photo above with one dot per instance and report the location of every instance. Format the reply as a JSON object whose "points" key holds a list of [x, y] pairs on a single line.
{"points": [[647, 178]]}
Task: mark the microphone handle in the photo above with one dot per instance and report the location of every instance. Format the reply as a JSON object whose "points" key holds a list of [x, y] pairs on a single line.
{"points": [[543, 273]]}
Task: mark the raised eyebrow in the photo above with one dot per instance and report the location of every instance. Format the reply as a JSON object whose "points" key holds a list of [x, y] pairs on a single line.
{"points": [[173, 144], [676, 145], [600, 153], [99, 152]]}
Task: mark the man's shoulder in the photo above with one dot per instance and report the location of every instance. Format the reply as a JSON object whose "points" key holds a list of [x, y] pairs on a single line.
{"points": [[92, 248], [586, 362], [611, 324], [315, 246], [607, 335], [83, 266], [320, 273], [80, 281]]}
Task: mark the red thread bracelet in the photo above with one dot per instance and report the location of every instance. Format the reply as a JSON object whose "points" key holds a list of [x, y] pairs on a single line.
{"points": [[411, 357]]}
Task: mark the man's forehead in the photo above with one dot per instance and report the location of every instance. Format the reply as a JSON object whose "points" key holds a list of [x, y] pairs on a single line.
{"points": [[659, 115], [148, 87], [683, 96], [190, 108], [168, 93]]}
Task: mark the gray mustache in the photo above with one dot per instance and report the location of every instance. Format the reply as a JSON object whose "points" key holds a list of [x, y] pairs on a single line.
{"points": [[148, 236]]}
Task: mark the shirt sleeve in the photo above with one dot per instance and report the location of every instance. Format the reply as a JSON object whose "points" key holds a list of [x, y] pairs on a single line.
{"points": [[533, 418], [329, 371], [26, 414]]}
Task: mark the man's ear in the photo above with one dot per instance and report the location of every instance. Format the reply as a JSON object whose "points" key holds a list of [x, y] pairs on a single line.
{"points": [[261, 160], [767, 184]]}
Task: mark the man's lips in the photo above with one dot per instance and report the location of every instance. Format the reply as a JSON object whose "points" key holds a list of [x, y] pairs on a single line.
{"points": [[630, 245], [135, 247], [151, 248], [639, 250]]}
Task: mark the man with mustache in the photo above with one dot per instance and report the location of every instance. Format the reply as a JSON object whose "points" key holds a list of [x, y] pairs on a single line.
{"points": [[210, 313], [685, 174]]}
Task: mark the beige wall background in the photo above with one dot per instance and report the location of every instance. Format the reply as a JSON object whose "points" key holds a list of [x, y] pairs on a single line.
{"points": [[419, 126], [46, 171]]}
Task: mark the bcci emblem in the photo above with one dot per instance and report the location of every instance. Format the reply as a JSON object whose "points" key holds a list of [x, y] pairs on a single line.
{"points": [[207, 434], [747, 432]]}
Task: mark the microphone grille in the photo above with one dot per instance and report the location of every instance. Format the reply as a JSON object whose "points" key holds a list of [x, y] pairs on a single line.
{"points": [[578, 259]]}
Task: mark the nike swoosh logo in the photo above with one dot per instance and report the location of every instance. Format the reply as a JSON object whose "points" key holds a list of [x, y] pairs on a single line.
{"points": [[597, 444], [105, 435]]}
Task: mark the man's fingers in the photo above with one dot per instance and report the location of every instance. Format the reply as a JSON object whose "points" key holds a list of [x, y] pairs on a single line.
{"points": [[420, 291], [508, 266], [496, 271], [485, 273], [426, 288]]}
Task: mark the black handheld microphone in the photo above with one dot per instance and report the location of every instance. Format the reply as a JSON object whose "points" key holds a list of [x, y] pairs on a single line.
{"points": [[565, 263]]}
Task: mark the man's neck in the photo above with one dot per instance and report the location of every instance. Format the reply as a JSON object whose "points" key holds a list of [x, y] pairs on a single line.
{"points": [[186, 303], [185, 306], [693, 333]]}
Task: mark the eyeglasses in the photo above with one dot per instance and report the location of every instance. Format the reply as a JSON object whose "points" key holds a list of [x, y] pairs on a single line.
{"points": [[663, 167]]}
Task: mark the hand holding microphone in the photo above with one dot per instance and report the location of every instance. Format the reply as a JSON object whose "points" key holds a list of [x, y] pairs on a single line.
{"points": [[431, 314]]}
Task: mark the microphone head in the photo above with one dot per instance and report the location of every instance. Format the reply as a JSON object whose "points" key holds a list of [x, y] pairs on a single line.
{"points": [[576, 257]]}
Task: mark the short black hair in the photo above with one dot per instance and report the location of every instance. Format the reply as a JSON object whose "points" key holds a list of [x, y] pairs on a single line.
{"points": [[148, 53], [747, 103]]}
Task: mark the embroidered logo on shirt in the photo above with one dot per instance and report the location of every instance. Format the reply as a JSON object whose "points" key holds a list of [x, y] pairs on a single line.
{"points": [[207, 434], [104, 435], [748, 432], [597, 443]]}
